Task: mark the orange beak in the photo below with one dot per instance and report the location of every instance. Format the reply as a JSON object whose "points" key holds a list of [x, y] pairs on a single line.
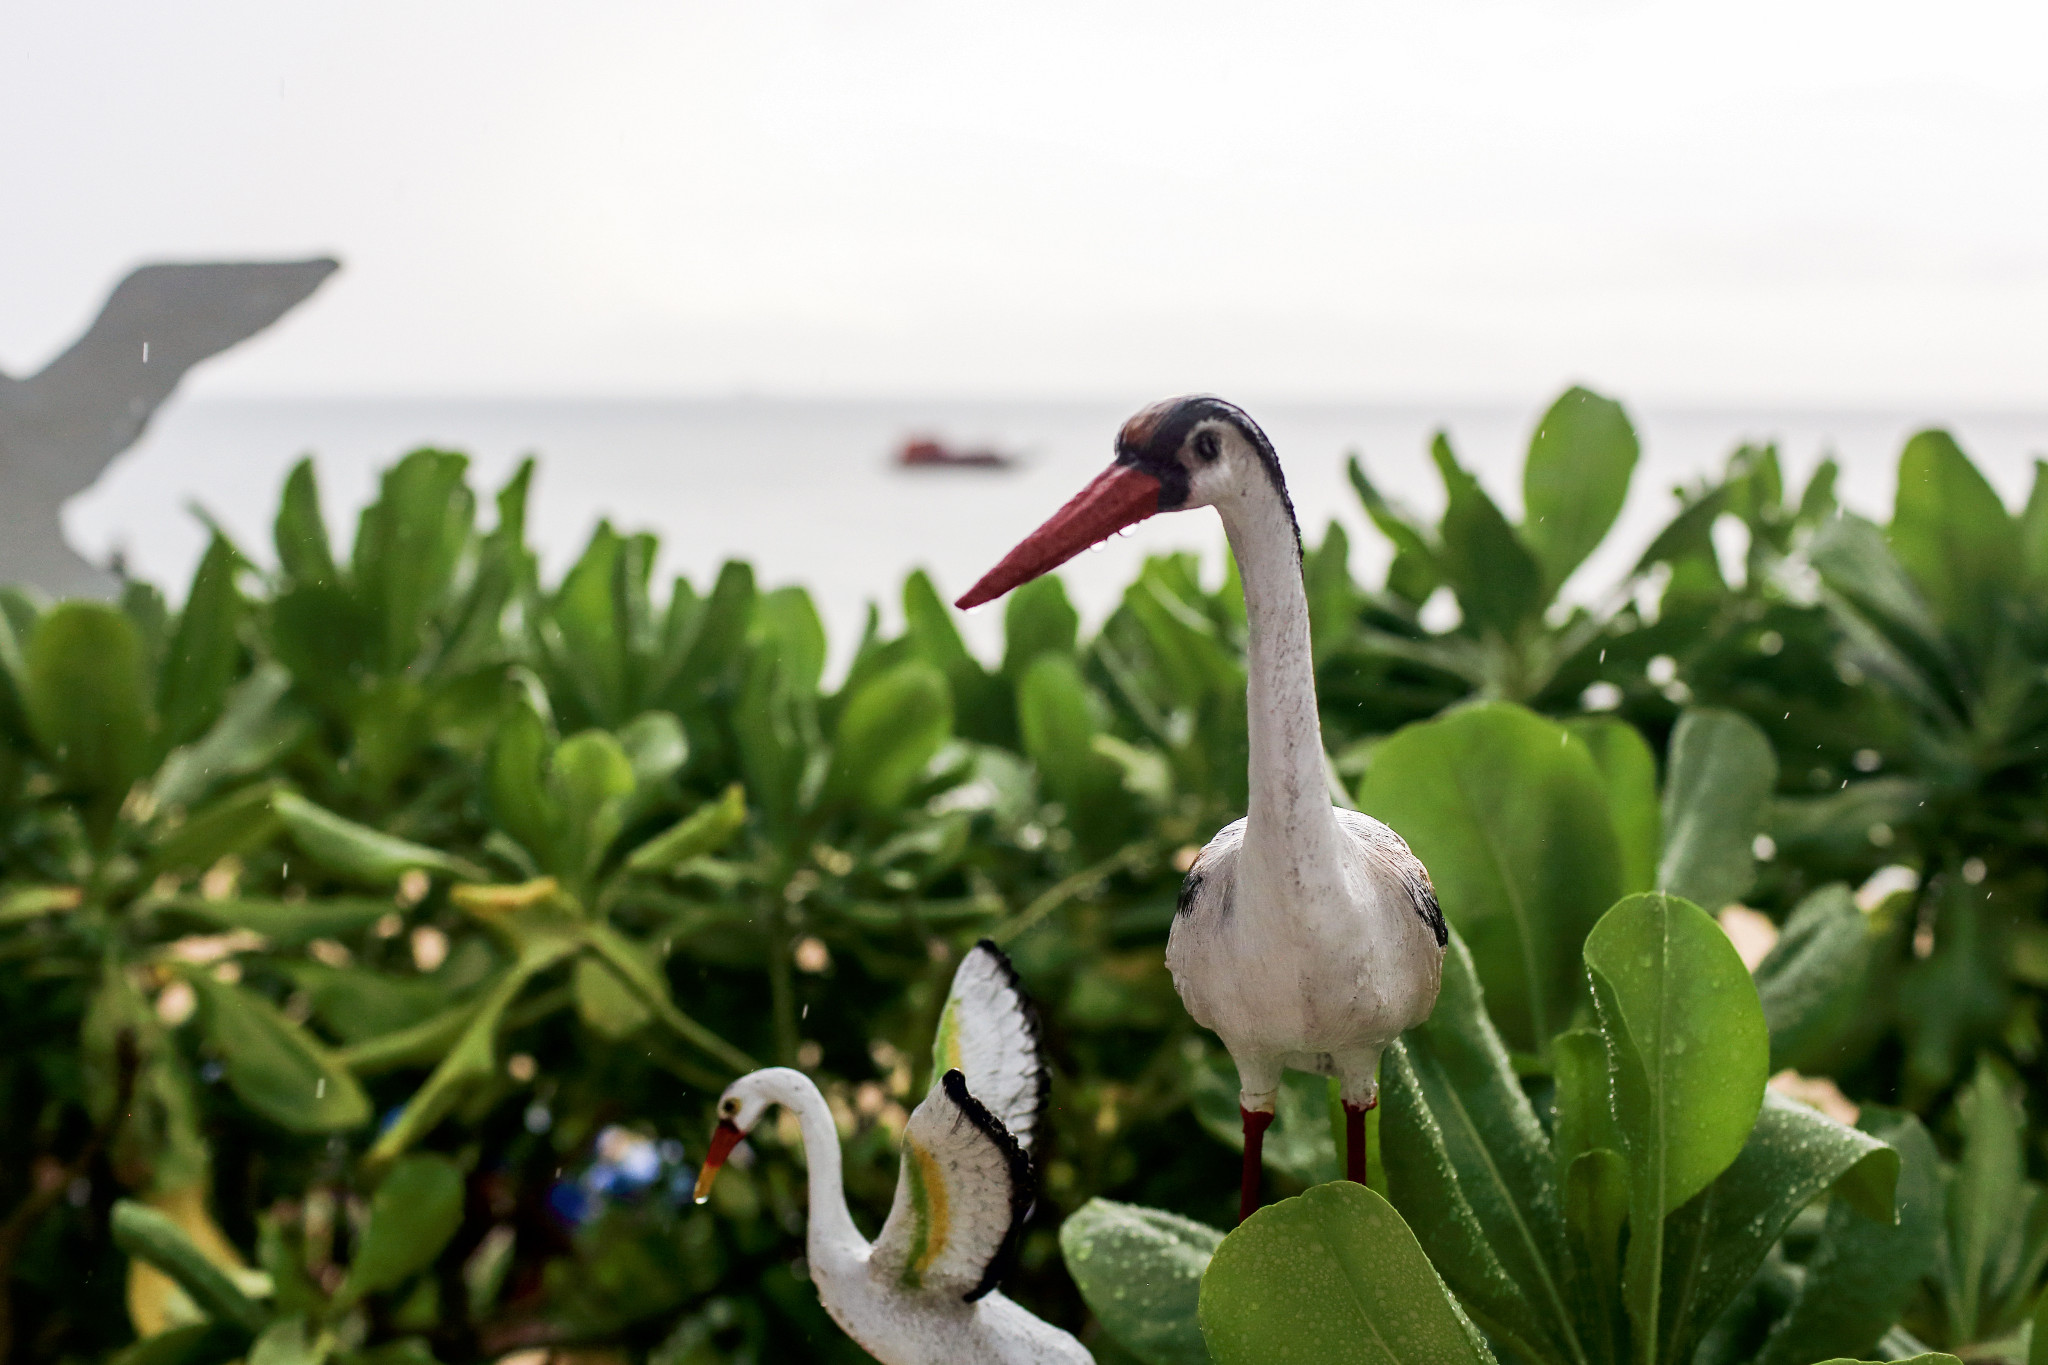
{"points": [[1120, 496], [724, 1138]]}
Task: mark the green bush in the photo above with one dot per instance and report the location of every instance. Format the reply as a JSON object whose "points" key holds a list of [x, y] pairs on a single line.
{"points": [[376, 933]]}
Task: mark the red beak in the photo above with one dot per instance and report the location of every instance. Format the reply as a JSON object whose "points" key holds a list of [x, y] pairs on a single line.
{"points": [[1120, 496], [724, 1138]]}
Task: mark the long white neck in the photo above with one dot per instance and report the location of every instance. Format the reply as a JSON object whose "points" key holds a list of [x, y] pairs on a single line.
{"points": [[831, 1227], [1290, 827]]}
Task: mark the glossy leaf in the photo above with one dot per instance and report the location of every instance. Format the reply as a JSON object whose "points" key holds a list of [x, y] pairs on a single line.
{"points": [[1511, 817], [1717, 792], [275, 1067], [1861, 1276], [1140, 1271], [1715, 1242], [1334, 1276], [1575, 480], [416, 1209], [1469, 1166], [1629, 770], [1686, 1039], [1813, 983]]}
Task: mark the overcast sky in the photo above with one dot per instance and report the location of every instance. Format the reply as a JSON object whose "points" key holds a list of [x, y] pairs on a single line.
{"points": [[1708, 201]]}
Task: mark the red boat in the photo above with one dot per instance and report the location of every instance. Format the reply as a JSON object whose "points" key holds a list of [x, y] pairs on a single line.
{"points": [[924, 452]]}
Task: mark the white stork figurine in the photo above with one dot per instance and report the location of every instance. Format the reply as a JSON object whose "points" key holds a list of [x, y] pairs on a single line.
{"points": [[924, 1292], [1307, 937]]}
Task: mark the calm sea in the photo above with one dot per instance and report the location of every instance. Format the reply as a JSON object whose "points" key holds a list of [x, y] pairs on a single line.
{"points": [[807, 491]]}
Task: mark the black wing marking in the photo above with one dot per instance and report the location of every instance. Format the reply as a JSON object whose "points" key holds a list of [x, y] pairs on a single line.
{"points": [[1021, 1181]]}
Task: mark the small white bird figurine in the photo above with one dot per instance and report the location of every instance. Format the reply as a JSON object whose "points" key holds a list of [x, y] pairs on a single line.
{"points": [[924, 1293], [1308, 937]]}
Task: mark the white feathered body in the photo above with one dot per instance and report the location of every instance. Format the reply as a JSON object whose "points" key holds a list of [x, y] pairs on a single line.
{"points": [[1308, 972]]}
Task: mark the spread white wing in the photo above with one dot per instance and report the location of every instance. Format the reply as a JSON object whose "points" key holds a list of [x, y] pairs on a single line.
{"points": [[989, 1033], [961, 1198]]}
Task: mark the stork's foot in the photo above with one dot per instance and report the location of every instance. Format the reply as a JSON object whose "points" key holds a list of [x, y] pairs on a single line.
{"points": [[1256, 1121], [1354, 1139]]}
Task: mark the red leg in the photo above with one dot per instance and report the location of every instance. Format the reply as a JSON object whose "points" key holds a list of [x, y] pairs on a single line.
{"points": [[1255, 1124], [1354, 1140]]}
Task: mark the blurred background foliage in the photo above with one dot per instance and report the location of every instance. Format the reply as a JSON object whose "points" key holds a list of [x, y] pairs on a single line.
{"points": [[378, 928]]}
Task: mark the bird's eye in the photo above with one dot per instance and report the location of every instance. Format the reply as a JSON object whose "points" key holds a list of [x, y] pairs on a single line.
{"points": [[1207, 446], [729, 1108]]}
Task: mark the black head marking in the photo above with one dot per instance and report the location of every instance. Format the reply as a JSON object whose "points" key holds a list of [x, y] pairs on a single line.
{"points": [[1151, 441]]}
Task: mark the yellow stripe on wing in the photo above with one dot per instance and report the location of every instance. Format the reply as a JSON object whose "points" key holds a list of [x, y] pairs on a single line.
{"points": [[928, 1204]]}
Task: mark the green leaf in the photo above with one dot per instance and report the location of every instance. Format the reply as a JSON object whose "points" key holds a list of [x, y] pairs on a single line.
{"points": [[1415, 572], [301, 532], [517, 778], [1686, 1041], [1333, 599], [1511, 817], [1037, 619], [1812, 984], [356, 1004], [357, 851], [1988, 1188], [1299, 1145], [2033, 527], [1629, 770], [252, 732], [699, 834], [590, 779], [606, 1003], [87, 701], [408, 544], [1716, 1241], [1953, 535], [1468, 1164], [1863, 1272], [1575, 481], [291, 1341], [787, 622], [1688, 1050], [473, 1058], [147, 1235], [981, 706], [1499, 584], [1140, 1271], [198, 1343], [204, 649], [1058, 726], [1332, 1276], [888, 734], [285, 924], [416, 1209], [276, 1067], [1716, 801]]}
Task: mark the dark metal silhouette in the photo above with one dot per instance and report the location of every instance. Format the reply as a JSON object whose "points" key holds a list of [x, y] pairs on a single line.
{"points": [[61, 428]]}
